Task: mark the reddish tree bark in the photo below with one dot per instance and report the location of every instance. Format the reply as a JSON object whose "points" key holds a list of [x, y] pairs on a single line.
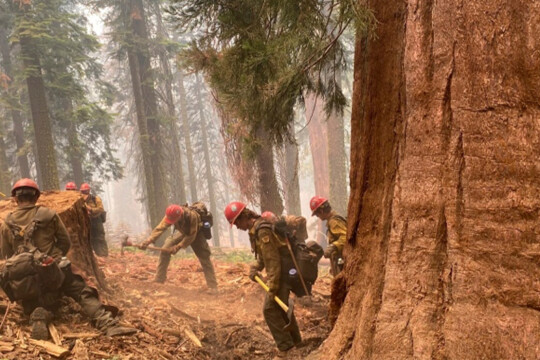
{"points": [[442, 253]]}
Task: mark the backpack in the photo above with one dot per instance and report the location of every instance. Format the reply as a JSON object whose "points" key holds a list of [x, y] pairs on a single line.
{"points": [[206, 218], [103, 215], [307, 256], [29, 273]]}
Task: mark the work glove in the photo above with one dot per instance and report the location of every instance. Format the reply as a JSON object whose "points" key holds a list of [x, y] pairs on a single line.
{"points": [[252, 273], [330, 251], [173, 250], [272, 293], [144, 245]]}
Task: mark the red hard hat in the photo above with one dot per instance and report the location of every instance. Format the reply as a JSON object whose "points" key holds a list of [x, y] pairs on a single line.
{"points": [[173, 213], [268, 215], [233, 210], [84, 187], [71, 186], [316, 203], [25, 183]]}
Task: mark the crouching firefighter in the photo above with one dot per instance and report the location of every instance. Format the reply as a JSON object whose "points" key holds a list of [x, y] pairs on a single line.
{"points": [[336, 231], [36, 273], [271, 253]]}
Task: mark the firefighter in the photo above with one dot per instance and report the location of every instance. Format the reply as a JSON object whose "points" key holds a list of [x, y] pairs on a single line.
{"points": [[70, 186], [336, 231], [97, 214], [271, 253], [50, 237], [188, 232]]}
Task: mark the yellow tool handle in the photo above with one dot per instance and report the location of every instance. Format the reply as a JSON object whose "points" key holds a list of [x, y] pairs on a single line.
{"points": [[276, 299]]}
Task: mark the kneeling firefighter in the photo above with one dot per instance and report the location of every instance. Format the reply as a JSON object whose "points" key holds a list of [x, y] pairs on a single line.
{"points": [[271, 253], [35, 242]]}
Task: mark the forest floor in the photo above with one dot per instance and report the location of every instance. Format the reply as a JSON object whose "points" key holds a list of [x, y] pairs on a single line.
{"points": [[177, 320]]}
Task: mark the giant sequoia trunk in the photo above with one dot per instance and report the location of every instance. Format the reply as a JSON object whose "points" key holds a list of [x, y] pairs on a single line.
{"points": [[70, 207], [442, 253]]}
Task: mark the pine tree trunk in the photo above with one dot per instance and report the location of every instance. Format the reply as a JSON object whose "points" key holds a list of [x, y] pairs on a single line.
{"points": [[315, 117], [337, 167], [176, 173], [270, 198], [144, 142], [45, 153], [75, 155], [22, 159], [207, 162], [5, 174], [187, 136], [291, 184], [140, 32], [442, 253]]}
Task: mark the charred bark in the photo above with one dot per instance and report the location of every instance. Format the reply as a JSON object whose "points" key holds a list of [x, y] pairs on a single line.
{"points": [[270, 198]]}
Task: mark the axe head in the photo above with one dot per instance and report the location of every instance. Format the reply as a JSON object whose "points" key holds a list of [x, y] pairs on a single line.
{"points": [[290, 325]]}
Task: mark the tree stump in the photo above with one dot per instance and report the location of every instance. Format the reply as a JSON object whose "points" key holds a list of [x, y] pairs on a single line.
{"points": [[70, 207]]}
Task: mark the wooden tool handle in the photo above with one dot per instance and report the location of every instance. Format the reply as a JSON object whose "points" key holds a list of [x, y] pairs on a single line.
{"points": [[276, 299]]}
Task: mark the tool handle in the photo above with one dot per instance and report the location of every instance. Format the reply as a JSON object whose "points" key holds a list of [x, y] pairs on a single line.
{"points": [[276, 299], [297, 267]]}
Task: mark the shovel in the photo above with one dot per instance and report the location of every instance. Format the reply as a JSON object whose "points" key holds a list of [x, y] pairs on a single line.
{"points": [[288, 309]]}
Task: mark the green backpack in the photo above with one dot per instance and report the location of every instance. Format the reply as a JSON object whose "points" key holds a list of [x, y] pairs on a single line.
{"points": [[29, 273]]}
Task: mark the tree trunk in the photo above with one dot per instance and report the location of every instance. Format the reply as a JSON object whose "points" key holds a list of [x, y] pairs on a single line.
{"points": [[337, 168], [207, 162], [5, 174], [291, 186], [45, 156], [270, 198], [315, 117], [140, 32], [187, 136], [442, 253], [18, 130], [176, 173], [144, 142], [75, 155]]}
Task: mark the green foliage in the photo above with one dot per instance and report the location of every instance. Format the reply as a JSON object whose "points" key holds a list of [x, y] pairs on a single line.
{"points": [[261, 57], [77, 95]]}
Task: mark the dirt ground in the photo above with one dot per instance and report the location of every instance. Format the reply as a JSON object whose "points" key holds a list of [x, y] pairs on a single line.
{"points": [[177, 320]]}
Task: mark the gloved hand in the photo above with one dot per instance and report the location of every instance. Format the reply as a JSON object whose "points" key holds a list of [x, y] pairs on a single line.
{"points": [[173, 250], [273, 293], [144, 245], [330, 251], [252, 273]]}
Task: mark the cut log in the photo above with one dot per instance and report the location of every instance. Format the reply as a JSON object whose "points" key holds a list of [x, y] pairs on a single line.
{"points": [[50, 348], [70, 207]]}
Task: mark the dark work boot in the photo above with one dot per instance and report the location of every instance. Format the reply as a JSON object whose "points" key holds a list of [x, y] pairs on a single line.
{"points": [[108, 324], [39, 319]]}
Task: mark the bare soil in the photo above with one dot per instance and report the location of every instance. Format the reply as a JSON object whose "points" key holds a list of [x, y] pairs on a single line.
{"points": [[175, 316]]}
